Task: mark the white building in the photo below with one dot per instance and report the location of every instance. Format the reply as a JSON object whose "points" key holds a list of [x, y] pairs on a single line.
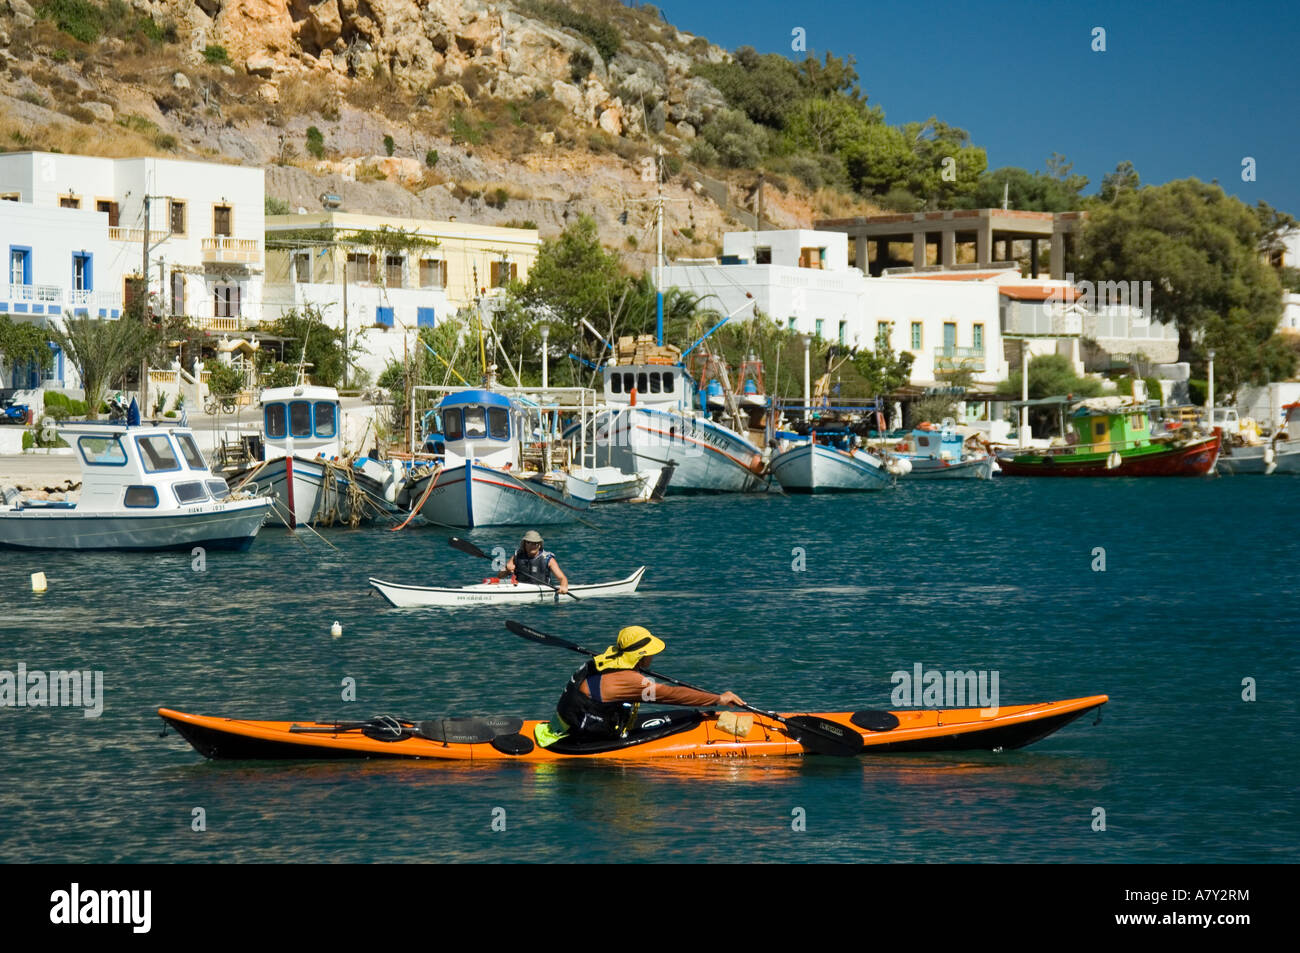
{"points": [[58, 259], [379, 294], [204, 231], [802, 279]]}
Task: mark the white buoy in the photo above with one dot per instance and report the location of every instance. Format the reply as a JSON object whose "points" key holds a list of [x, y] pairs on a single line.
{"points": [[38, 582], [336, 630]]}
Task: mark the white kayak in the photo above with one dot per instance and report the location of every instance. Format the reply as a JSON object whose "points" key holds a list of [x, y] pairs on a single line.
{"points": [[503, 592]]}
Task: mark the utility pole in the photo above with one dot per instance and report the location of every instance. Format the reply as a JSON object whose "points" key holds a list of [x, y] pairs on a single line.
{"points": [[143, 292], [345, 319]]}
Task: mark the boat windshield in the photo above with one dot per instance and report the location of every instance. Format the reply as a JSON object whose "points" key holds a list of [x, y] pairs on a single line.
{"points": [[300, 419], [157, 453], [190, 450], [475, 423], [275, 429], [451, 421], [325, 418], [499, 423], [218, 489], [102, 451]]}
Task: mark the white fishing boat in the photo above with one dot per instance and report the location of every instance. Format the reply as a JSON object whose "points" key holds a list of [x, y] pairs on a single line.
{"points": [[303, 465], [487, 476], [942, 454], [829, 463], [142, 487], [1280, 454], [501, 592], [652, 420]]}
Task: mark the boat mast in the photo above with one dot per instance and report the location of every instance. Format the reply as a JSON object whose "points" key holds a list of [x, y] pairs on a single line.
{"points": [[659, 255]]}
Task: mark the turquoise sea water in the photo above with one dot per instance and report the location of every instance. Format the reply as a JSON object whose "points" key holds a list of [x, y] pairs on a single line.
{"points": [[1199, 593]]}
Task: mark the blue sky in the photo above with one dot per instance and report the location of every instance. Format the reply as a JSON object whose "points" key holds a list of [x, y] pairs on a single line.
{"points": [[1182, 90]]}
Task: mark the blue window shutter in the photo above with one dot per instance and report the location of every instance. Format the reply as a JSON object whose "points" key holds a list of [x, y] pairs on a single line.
{"points": [[384, 316], [424, 317]]}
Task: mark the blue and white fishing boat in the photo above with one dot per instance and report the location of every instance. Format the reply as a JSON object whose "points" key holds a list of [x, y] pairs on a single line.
{"points": [[830, 462], [489, 476], [303, 464], [142, 487], [941, 454]]}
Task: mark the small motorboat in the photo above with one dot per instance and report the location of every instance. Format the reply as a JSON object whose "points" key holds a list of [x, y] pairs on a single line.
{"points": [[501, 592], [142, 487], [941, 454]]}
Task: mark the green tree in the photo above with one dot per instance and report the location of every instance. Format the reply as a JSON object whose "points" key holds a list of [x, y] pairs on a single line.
{"points": [[223, 379], [24, 343], [738, 141], [315, 142], [1027, 191], [881, 369], [1124, 178], [764, 87], [323, 345], [945, 165], [1201, 252], [879, 160], [103, 351]]}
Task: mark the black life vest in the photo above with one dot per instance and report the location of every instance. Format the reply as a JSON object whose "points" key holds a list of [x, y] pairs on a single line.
{"points": [[587, 714], [535, 569]]}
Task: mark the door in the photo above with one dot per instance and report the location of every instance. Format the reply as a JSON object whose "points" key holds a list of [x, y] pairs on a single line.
{"points": [[949, 339]]}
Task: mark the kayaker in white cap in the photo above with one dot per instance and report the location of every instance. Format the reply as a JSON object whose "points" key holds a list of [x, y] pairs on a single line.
{"points": [[532, 563]]}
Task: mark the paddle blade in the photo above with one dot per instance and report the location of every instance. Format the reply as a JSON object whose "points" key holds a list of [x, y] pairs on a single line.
{"points": [[465, 546], [541, 638], [820, 736]]}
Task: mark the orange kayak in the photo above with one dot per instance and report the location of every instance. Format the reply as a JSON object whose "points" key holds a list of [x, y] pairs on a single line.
{"points": [[681, 733]]}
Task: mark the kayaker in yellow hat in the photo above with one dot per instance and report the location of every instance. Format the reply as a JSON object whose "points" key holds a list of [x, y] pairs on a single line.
{"points": [[602, 697], [531, 563]]}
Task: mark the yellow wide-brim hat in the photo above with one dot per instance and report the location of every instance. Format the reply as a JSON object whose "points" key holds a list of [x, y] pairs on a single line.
{"points": [[634, 643]]}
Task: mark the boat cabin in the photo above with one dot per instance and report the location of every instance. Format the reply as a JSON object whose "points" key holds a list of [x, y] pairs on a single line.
{"points": [[482, 426], [938, 443], [663, 386], [139, 468], [303, 421], [1103, 424]]}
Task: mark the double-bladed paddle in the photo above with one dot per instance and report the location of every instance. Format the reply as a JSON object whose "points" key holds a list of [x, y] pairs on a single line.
{"points": [[819, 735], [465, 546]]}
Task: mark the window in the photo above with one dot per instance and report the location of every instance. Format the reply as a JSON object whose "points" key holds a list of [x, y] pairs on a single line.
{"points": [[109, 206], [949, 338], [361, 267], [762, 256], [218, 489], [498, 423], [668, 383], [916, 335], [325, 419], [102, 451], [655, 386], [190, 492], [1100, 428], [69, 201], [817, 327], [176, 218], [225, 301], [451, 423], [393, 267], [300, 419], [475, 423], [616, 383], [157, 453], [141, 496], [82, 272], [275, 429], [811, 257], [384, 316], [791, 323], [20, 266], [433, 273], [1137, 422], [302, 267], [222, 217], [502, 272], [178, 292], [977, 337], [190, 451], [642, 385], [424, 317], [133, 291], [843, 330], [882, 332]]}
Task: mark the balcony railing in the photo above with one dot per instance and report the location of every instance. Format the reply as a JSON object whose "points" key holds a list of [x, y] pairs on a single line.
{"points": [[79, 299], [43, 294], [951, 358], [135, 235], [240, 251]]}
